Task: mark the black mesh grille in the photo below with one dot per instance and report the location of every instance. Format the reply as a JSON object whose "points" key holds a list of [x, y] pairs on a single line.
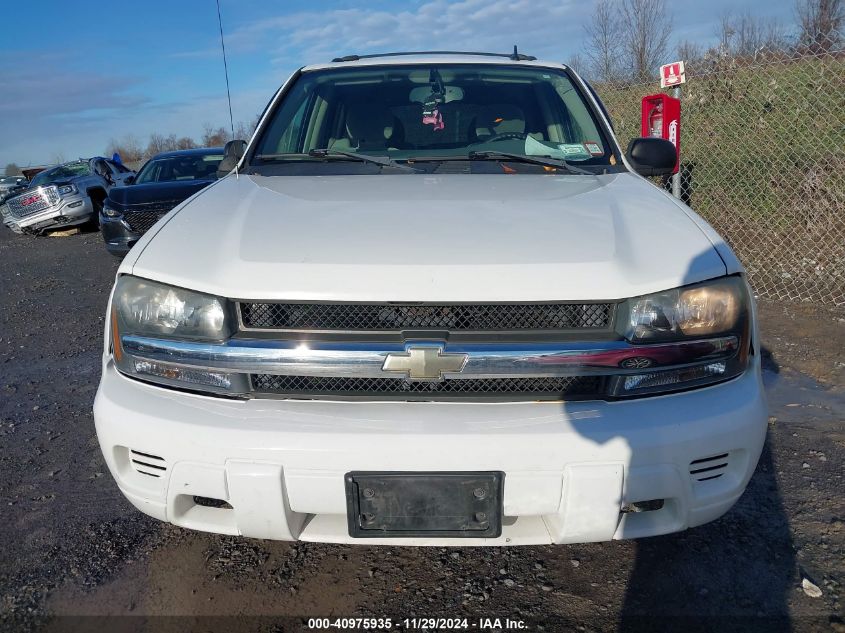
{"points": [[142, 221], [473, 317], [311, 386]]}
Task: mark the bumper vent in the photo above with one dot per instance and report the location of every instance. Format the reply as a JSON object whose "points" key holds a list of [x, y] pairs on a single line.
{"points": [[707, 468], [558, 388], [147, 464], [142, 221], [452, 317], [211, 502]]}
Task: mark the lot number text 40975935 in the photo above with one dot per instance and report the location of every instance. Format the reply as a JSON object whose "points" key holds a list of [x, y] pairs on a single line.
{"points": [[376, 624]]}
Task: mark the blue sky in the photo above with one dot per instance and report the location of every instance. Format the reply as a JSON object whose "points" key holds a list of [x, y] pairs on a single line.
{"points": [[75, 75]]}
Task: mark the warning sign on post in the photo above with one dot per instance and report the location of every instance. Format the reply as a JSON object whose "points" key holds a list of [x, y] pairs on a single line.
{"points": [[672, 75]]}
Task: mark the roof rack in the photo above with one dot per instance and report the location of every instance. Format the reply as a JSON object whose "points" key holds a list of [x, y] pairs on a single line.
{"points": [[516, 55]]}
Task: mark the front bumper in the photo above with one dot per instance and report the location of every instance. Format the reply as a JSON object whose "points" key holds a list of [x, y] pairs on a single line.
{"points": [[569, 467], [118, 237], [70, 211]]}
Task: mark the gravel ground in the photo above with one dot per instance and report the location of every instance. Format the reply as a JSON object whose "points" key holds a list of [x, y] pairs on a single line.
{"points": [[73, 548]]}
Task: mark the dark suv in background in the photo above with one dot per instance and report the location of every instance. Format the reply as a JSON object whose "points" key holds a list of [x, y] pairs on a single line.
{"points": [[165, 180], [10, 185]]}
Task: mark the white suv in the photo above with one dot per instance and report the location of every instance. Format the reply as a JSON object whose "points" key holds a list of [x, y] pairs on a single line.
{"points": [[435, 305]]}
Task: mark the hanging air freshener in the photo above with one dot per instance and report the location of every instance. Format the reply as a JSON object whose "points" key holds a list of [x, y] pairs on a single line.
{"points": [[431, 114]]}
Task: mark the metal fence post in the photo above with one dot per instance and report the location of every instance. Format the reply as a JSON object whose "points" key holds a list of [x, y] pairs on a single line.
{"points": [[676, 178]]}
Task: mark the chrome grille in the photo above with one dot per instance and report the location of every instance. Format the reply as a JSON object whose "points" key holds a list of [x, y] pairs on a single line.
{"points": [[142, 221], [452, 317], [569, 387], [32, 202]]}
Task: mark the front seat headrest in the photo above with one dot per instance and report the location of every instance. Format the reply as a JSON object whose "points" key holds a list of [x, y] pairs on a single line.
{"points": [[368, 126], [499, 119]]}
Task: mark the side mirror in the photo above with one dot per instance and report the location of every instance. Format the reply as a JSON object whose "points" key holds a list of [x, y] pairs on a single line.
{"points": [[651, 156], [233, 151], [129, 180]]}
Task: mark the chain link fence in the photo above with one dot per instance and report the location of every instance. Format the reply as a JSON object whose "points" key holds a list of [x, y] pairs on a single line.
{"points": [[763, 160]]}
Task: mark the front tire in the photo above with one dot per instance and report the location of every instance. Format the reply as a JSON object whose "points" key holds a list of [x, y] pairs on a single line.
{"points": [[97, 205]]}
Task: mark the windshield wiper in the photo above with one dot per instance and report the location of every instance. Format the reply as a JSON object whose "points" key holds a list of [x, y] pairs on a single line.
{"points": [[546, 161], [378, 160], [333, 153]]}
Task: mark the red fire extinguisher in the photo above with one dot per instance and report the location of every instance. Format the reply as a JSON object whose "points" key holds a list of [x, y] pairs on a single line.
{"points": [[655, 120]]}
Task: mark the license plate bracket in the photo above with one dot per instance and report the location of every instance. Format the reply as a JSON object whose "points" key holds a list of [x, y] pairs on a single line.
{"points": [[424, 504]]}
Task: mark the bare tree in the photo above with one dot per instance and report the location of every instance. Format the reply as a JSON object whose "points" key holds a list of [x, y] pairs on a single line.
{"points": [[577, 63], [13, 170], [604, 45], [160, 143], [244, 129], [212, 137], [185, 142], [820, 24], [646, 28], [747, 36], [157, 144], [689, 52], [726, 32], [128, 148], [750, 35]]}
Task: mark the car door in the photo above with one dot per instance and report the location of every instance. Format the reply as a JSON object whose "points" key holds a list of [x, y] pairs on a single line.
{"points": [[120, 173], [100, 169]]}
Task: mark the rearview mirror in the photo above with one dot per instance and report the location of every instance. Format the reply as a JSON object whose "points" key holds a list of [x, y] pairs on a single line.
{"points": [[233, 151], [651, 156]]}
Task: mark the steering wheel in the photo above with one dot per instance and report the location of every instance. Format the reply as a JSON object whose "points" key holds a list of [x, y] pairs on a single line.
{"points": [[519, 136]]}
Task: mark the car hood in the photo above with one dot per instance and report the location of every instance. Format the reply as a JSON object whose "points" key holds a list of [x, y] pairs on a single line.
{"points": [[429, 238], [58, 182], [152, 192]]}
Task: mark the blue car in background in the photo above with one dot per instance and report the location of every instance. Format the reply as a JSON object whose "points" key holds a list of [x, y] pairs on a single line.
{"points": [[162, 183]]}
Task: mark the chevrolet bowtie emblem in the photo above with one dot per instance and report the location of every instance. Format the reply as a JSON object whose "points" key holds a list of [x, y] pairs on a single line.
{"points": [[424, 362]]}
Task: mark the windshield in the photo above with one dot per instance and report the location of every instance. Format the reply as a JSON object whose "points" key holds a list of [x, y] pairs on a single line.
{"points": [[423, 112], [62, 172], [170, 168]]}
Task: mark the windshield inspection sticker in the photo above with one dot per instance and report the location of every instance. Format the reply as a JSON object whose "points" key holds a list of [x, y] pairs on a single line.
{"points": [[572, 150], [593, 148], [567, 151]]}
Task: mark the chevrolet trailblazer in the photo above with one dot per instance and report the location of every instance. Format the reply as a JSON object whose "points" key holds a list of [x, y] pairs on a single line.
{"points": [[434, 304]]}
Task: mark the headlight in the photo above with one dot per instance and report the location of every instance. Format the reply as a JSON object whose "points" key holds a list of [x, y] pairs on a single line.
{"points": [[697, 311], [110, 211], [713, 312], [66, 190], [143, 308], [149, 308]]}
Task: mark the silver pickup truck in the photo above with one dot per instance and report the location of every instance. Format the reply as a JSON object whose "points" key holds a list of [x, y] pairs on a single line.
{"points": [[65, 195]]}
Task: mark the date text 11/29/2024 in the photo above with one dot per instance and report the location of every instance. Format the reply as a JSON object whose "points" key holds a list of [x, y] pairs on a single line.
{"points": [[422, 623]]}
